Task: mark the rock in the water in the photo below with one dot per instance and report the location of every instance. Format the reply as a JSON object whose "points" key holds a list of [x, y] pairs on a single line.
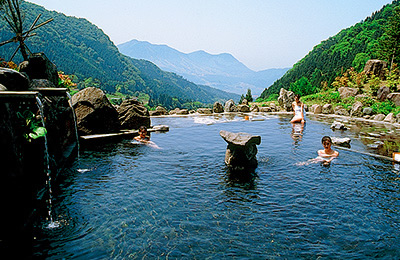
{"points": [[345, 141], [379, 117], [390, 118], [254, 108], [243, 108], [286, 99], [338, 126], [341, 111], [161, 128], [94, 112], [133, 114], [316, 109], [207, 111], [241, 151], [13, 80], [327, 109], [218, 108], [230, 106]]}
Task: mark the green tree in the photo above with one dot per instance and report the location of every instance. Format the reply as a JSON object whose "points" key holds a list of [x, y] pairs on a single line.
{"points": [[389, 43], [249, 97], [360, 60], [303, 87]]}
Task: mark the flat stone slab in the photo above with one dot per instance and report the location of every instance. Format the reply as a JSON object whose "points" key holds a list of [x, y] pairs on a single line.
{"points": [[240, 139]]}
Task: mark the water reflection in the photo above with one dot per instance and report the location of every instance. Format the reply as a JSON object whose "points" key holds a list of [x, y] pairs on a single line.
{"points": [[297, 132]]}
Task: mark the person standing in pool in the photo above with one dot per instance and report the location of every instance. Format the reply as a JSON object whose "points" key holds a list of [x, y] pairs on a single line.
{"points": [[298, 110], [142, 137], [327, 155]]}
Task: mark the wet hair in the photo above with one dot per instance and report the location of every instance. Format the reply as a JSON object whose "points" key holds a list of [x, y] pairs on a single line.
{"points": [[326, 138], [297, 96], [142, 128]]}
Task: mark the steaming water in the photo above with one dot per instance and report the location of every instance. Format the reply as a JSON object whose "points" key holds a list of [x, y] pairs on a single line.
{"points": [[127, 201]]}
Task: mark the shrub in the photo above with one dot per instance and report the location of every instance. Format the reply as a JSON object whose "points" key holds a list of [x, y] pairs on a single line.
{"points": [[385, 107]]}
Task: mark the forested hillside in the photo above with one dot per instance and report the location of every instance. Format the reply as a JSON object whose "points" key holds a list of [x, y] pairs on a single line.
{"points": [[80, 48], [351, 47]]}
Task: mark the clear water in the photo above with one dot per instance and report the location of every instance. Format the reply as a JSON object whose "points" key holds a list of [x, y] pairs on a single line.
{"points": [[123, 201]]}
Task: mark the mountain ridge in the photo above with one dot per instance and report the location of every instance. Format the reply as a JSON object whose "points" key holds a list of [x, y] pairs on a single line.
{"points": [[222, 71]]}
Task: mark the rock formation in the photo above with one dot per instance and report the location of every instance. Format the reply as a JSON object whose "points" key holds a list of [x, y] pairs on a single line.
{"points": [[94, 112], [13, 80], [286, 99], [218, 108], [230, 106], [241, 151], [132, 114], [375, 67]]}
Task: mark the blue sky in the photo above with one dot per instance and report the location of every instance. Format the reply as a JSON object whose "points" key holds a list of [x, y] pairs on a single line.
{"points": [[262, 34]]}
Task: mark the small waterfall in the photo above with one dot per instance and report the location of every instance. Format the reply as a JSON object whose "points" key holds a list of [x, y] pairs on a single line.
{"points": [[75, 121], [52, 224]]}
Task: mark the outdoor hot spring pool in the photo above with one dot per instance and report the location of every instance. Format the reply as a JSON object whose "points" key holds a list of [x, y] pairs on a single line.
{"points": [[122, 201]]}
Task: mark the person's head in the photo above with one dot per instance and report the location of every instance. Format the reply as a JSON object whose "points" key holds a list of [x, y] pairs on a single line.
{"points": [[297, 97], [326, 142], [142, 131]]}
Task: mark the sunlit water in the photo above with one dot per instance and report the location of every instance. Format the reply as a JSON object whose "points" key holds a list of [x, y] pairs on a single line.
{"points": [[124, 200]]}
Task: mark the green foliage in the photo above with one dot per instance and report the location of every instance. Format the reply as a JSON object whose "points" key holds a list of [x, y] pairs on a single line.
{"points": [[350, 47], [31, 125], [360, 60], [303, 87], [385, 107], [389, 43], [323, 97], [80, 48], [249, 97]]}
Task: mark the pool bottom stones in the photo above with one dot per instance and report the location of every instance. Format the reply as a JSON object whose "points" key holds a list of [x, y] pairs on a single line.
{"points": [[241, 153]]}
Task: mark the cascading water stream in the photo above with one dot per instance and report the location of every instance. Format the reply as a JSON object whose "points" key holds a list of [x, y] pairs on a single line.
{"points": [[52, 224], [75, 122]]}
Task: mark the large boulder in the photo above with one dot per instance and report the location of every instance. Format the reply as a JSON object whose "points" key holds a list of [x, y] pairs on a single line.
{"points": [[133, 114], [41, 83], [345, 141], [375, 67], [254, 108], [390, 118], [357, 109], [382, 93], [218, 108], [286, 99], [243, 108], [241, 151], [327, 109], [13, 80], [230, 106], [160, 111], [206, 111], [94, 112], [341, 111], [316, 109], [395, 98], [39, 66], [346, 92]]}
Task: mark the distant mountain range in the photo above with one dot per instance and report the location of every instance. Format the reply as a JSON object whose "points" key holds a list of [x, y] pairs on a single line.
{"points": [[222, 71]]}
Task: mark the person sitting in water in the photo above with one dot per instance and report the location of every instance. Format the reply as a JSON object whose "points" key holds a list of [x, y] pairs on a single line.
{"points": [[142, 137], [298, 110], [327, 155]]}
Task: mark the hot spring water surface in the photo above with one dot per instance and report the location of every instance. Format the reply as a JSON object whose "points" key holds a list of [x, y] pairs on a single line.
{"points": [[127, 201]]}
